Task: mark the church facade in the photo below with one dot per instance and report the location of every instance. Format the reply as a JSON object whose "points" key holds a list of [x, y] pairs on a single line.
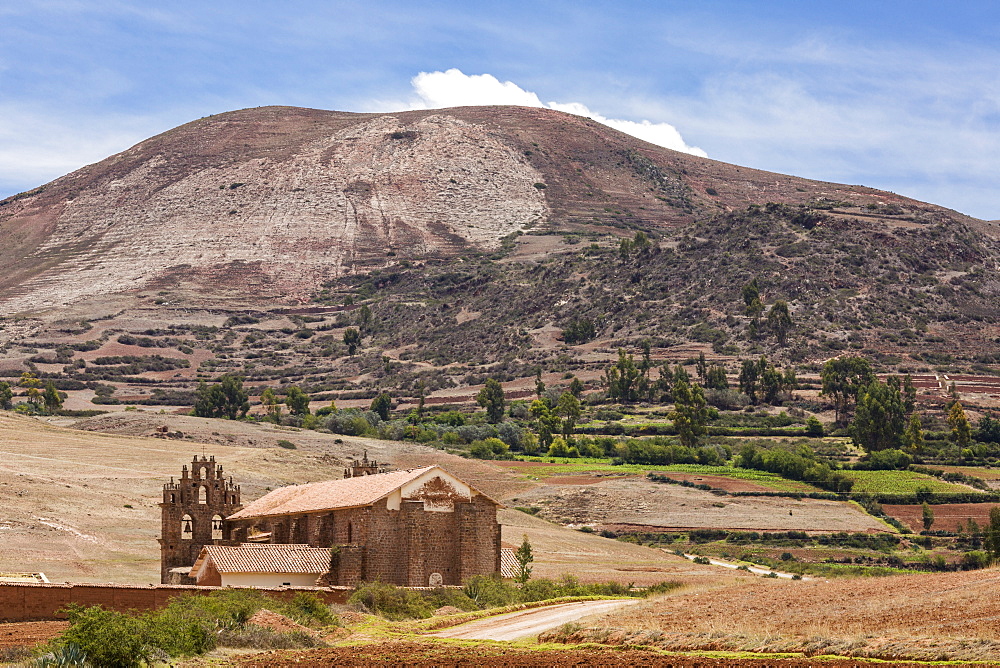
{"points": [[418, 527]]}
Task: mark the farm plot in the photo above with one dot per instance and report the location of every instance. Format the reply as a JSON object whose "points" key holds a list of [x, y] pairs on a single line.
{"points": [[925, 616], [729, 478], [901, 482], [947, 516], [641, 503]]}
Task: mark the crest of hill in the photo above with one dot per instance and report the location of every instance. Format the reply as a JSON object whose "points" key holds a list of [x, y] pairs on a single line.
{"points": [[273, 202]]}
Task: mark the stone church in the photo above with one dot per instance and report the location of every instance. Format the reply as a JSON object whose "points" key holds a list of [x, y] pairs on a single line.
{"points": [[418, 527]]}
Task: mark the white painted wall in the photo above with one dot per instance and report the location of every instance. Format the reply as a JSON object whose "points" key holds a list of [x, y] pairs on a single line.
{"points": [[269, 579]]}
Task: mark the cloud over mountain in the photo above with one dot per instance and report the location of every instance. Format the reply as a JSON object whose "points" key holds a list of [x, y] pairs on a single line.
{"points": [[454, 88]]}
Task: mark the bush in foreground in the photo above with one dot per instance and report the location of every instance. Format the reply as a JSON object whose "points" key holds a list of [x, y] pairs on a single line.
{"points": [[482, 592], [189, 625]]}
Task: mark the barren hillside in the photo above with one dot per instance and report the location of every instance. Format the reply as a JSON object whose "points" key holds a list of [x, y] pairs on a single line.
{"points": [[271, 202]]}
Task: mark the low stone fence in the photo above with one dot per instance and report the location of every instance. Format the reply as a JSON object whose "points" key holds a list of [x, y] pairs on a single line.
{"points": [[31, 602]]}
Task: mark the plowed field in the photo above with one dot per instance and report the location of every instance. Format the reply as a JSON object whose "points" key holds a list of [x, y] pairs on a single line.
{"points": [[29, 634], [947, 516], [494, 655], [926, 616]]}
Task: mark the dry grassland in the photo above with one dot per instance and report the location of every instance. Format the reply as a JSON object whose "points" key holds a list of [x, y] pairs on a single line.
{"points": [[929, 616], [636, 501], [81, 506]]}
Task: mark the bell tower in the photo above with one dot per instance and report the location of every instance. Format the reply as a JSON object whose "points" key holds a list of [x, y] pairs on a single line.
{"points": [[193, 511]]}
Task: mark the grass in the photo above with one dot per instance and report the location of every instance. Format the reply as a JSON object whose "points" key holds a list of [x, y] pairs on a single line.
{"points": [[564, 466], [900, 482]]}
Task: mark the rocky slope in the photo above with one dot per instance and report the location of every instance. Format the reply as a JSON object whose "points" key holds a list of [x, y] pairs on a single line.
{"points": [[272, 202]]}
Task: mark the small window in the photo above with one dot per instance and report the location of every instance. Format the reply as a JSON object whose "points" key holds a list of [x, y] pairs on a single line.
{"points": [[286, 584]]}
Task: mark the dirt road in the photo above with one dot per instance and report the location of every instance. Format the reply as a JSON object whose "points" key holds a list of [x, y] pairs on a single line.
{"points": [[526, 623]]}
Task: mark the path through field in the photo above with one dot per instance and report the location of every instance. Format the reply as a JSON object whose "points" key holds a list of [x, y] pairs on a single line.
{"points": [[525, 623], [753, 569]]}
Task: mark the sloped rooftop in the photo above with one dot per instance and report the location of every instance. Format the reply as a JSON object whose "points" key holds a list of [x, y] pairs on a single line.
{"points": [[254, 558], [329, 494]]}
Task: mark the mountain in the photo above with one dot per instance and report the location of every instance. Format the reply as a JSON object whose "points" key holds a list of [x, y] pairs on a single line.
{"points": [[274, 201], [483, 233]]}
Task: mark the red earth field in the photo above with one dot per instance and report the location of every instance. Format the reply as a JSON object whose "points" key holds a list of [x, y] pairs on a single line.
{"points": [[947, 516]]}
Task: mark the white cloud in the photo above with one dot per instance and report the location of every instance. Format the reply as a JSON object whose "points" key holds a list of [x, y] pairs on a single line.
{"points": [[37, 148], [453, 88]]}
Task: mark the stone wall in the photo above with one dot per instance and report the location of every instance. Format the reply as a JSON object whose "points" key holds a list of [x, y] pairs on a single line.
{"points": [[25, 602]]}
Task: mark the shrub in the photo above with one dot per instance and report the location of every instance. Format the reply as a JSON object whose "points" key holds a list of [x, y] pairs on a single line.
{"points": [[490, 591], [391, 602], [309, 609], [108, 638], [288, 445]]}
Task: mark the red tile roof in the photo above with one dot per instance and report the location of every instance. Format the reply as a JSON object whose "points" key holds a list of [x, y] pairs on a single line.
{"points": [[253, 558], [330, 494]]}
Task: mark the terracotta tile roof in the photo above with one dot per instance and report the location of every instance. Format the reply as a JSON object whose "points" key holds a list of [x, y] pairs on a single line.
{"points": [[254, 558], [330, 494]]}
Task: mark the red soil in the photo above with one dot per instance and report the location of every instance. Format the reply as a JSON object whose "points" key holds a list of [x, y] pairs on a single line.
{"points": [[947, 516]]}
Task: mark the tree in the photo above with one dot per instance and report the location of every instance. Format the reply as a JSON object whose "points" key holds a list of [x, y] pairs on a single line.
{"points": [[576, 387], [236, 401], [381, 405], [702, 366], [421, 400], [772, 384], [227, 399], [297, 401], [208, 400], [715, 378], [352, 339], [880, 419], [927, 514], [909, 394], [569, 409], [546, 422], [993, 533], [524, 557], [52, 398], [961, 430], [539, 385], [646, 362], [754, 306], [491, 398], [842, 378], [270, 401], [579, 330], [6, 396], [30, 381], [987, 432], [779, 320], [364, 318], [623, 378], [749, 377], [690, 414], [813, 426], [913, 437]]}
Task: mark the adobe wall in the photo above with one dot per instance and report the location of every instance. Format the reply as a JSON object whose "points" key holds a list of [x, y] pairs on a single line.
{"points": [[29, 602]]}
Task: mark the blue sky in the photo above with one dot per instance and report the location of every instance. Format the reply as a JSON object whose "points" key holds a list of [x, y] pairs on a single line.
{"points": [[903, 96]]}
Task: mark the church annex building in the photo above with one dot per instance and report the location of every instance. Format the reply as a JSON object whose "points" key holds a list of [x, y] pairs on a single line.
{"points": [[420, 527]]}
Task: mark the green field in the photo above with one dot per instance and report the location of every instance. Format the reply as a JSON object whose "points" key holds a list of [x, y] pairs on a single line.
{"points": [[582, 466], [901, 482]]}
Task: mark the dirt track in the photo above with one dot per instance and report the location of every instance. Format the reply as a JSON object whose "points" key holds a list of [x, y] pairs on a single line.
{"points": [[526, 623]]}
